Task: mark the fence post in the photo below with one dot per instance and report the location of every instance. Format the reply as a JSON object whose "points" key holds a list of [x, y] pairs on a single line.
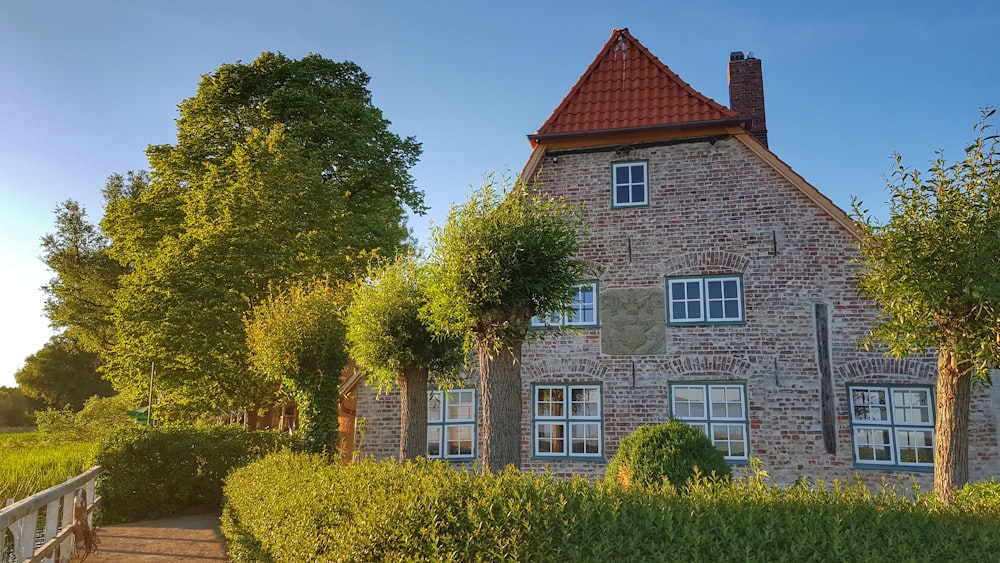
{"points": [[24, 537], [66, 547], [3, 532]]}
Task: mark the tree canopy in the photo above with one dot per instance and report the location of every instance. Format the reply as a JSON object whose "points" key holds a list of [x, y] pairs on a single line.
{"points": [[390, 339], [62, 375], [934, 269], [505, 255], [282, 170]]}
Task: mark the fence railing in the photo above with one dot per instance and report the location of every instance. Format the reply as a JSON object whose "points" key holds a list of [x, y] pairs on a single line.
{"points": [[68, 508]]}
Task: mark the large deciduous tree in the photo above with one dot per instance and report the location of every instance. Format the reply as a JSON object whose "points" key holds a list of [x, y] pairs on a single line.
{"points": [[505, 255], [297, 343], [396, 346], [62, 375], [934, 269], [79, 298], [282, 170]]}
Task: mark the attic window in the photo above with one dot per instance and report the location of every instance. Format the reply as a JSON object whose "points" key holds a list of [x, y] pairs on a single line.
{"points": [[629, 185]]}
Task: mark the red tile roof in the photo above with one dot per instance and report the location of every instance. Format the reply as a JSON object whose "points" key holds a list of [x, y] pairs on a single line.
{"points": [[625, 87]]}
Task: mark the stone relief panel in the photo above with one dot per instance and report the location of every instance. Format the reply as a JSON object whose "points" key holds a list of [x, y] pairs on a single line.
{"points": [[632, 321]]}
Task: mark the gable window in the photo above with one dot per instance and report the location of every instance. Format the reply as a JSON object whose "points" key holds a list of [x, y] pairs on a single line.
{"points": [[629, 184], [706, 299], [451, 424], [582, 310], [717, 409], [892, 426], [568, 421]]}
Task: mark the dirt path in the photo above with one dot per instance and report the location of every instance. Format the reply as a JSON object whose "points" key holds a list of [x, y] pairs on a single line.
{"points": [[188, 538]]}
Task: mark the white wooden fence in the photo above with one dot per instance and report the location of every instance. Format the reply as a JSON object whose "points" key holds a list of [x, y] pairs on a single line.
{"points": [[65, 507]]}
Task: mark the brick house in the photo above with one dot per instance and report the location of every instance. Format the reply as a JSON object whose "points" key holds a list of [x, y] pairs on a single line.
{"points": [[722, 296]]}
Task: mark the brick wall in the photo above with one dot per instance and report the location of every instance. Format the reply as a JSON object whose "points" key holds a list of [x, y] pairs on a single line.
{"points": [[716, 208]]}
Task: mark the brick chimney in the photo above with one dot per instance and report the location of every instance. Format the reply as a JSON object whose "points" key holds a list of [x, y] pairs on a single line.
{"points": [[746, 92]]}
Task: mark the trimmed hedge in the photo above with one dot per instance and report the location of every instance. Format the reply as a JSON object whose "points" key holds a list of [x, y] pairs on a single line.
{"points": [[673, 451], [161, 472], [295, 507]]}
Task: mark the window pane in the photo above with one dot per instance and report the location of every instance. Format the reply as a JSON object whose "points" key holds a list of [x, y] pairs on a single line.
{"points": [[550, 438], [433, 441], [873, 445], [434, 406], [689, 402], [621, 175], [583, 305], [732, 310], [638, 193], [911, 406], [714, 289], [693, 310], [549, 401], [586, 438], [459, 440], [622, 194], [584, 401], [715, 310], [461, 404], [730, 439], [869, 404], [731, 289], [727, 401], [915, 446], [693, 289]]}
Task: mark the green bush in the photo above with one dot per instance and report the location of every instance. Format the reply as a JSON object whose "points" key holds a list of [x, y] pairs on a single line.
{"points": [[983, 496], [294, 507], [160, 472], [673, 451], [100, 416]]}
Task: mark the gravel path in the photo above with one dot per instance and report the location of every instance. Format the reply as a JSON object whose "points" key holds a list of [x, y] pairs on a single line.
{"points": [[188, 538]]}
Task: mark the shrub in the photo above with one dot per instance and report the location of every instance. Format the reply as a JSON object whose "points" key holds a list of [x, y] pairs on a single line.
{"points": [[983, 496], [673, 451], [99, 417], [159, 472]]}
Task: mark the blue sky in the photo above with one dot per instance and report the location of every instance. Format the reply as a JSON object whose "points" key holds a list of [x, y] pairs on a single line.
{"points": [[86, 86]]}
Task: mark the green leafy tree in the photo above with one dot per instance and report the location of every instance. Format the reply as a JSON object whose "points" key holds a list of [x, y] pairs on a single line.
{"points": [[80, 296], [934, 269], [282, 170], [388, 337], [15, 408], [505, 255], [297, 343], [62, 375]]}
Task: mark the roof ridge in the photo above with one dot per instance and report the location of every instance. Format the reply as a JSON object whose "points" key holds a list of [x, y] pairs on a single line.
{"points": [[645, 93]]}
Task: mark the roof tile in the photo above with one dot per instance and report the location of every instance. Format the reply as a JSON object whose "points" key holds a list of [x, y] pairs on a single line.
{"points": [[626, 86]]}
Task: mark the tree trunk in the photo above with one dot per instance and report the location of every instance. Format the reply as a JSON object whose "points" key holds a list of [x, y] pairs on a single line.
{"points": [[413, 414], [500, 381], [951, 427]]}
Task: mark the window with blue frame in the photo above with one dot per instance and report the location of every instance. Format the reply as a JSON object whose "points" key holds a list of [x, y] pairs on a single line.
{"points": [[451, 424], [717, 409], [568, 421], [629, 184], [892, 426], [582, 310], [705, 300]]}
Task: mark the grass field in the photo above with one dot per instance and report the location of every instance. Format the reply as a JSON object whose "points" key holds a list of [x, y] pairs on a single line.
{"points": [[30, 462]]}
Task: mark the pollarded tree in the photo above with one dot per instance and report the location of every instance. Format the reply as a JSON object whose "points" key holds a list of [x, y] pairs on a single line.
{"points": [[282, 170], [388, 338], [505, 255], [934, 269], [297, 344]]}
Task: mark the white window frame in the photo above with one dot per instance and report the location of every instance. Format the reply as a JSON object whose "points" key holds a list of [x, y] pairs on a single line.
{"points": [[560, 422], [704, 301], [630, 184], [715, 418], [882, 421], [577, 307], [454, 422]]}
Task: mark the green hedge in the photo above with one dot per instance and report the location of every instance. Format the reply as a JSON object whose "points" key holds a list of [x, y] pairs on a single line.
{"points": [[155, 473], [294, 507]]}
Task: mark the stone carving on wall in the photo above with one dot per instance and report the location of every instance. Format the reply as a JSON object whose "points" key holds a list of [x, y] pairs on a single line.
{"points": [[632, 321]]}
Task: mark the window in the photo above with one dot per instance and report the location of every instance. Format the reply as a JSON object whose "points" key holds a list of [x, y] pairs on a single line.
{"points": [[719, 410], [451, 424], [582, 310], [629, 184], [714, 299], [567, 421], [892, 426]]}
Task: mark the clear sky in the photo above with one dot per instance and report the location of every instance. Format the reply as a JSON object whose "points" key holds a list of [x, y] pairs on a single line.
{"points": [[86, 86]]}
